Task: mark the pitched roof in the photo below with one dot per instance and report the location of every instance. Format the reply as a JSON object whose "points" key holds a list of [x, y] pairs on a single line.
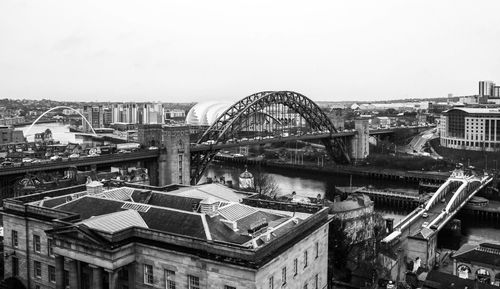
{"points": [[486, 253], [122, 193], [88, 206], [176, 222], [116, 221], [235, 211], [217, 191]]}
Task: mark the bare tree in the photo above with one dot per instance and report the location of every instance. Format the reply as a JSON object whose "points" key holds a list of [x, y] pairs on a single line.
{"points": [[264, 184]]}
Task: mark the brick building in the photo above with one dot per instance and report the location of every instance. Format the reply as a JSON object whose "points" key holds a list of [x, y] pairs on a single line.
{"points": [[132, 237]]}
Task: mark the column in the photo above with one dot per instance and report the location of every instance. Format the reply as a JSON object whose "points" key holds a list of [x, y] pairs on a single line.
{"points": [[113, 278], [96, 277], [59, 272], [73, 275], [131, 275]]}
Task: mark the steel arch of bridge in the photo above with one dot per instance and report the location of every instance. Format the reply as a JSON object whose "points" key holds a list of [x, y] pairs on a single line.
{"points": [[228, 122]]}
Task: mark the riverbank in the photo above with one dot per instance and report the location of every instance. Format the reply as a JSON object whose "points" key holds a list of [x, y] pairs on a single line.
{"points": [[369, 172]]}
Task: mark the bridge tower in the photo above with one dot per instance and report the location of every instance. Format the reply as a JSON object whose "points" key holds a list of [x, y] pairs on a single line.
{"points": [[360, 147], [173, 165]]}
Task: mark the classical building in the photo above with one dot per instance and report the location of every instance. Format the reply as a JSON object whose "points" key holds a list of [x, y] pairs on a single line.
{"points": [[481, 262], [140, 237], [470, 129]]}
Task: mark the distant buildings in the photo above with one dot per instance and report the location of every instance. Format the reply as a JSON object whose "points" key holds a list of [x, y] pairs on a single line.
{"points": [[134, 237], [10, 135], [470, 129]]}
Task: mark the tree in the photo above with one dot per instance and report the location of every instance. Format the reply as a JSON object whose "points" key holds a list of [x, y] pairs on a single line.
{"points": [[265, 184]]}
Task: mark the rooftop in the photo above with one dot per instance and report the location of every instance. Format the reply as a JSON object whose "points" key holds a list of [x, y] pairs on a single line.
{"points": [[485, 253], [177, 212]]}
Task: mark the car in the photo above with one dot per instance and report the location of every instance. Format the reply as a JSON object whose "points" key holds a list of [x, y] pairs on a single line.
{"points": [[55, 158], [152, 148], [425, 224], [27, 160], [92, 155], [7, 164], [244, 139], [425, 215], [73, 156]]}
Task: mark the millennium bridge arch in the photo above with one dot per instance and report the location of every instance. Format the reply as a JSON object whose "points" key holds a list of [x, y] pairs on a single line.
{"points": [[287, 108], [59, 107]]}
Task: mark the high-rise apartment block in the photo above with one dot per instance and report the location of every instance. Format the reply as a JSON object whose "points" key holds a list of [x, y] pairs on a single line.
{"points": [[489, 89]]}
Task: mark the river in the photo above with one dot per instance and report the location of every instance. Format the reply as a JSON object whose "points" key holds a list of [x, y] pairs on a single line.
{"points": [[59, 130], [312, 184]]}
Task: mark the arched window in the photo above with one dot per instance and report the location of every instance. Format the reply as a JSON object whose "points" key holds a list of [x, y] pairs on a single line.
{"points": [[483, 276], [463, 271]]}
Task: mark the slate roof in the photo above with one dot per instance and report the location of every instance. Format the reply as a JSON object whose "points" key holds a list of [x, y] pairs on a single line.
{"points": [[121, 208], [88, 206], [172, 201], [221, 232], [244, 223], [485, 253], [176, 222]]}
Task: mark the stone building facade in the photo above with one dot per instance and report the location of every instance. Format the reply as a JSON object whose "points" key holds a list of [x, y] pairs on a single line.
{"points": [[126, 237]]}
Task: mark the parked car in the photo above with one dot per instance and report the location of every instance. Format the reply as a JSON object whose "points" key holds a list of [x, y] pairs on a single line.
{"points": [[74, 156]]}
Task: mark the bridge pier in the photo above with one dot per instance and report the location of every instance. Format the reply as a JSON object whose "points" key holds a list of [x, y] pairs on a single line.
{"points": [[173, 143], [360, 147]]}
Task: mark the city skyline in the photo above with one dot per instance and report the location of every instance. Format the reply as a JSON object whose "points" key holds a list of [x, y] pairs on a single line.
{"points": [[194, 51]]}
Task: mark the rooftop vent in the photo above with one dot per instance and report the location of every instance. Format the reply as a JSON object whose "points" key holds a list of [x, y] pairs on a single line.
{"points": [[136, 207], [256, 226]]}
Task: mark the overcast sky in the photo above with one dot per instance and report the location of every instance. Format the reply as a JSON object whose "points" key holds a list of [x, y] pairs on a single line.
{"points": [[180, 51]]}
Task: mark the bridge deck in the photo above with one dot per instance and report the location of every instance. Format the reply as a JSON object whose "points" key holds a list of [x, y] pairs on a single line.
{"points": [[82, 161]]}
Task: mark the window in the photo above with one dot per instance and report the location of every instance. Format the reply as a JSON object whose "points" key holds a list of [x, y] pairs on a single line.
{"points": [[15, 266], [37, 268], [66, 278], [15, 240], [316, 281], [305, 259], [148, 274], [181, 158], [169, 279], [229, 287], [316, 249], [283, 276], [52, 274], [37, 247], [193, 282], [295, 267], [271, 282], [50, 247]]}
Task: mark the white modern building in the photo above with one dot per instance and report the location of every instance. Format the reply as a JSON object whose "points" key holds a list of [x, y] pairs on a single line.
{"points": [[470, 129]]}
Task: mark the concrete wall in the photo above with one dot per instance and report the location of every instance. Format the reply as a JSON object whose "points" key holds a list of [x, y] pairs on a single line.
{"points": [[175, 160], [360, 146]]}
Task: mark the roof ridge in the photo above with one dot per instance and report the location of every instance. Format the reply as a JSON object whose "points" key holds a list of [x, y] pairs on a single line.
{"points": [[206, 227], [153, 206]]}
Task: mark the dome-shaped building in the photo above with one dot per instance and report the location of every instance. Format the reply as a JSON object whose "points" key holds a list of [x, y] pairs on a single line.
{"points": [[205, 113], [246, 180]]}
